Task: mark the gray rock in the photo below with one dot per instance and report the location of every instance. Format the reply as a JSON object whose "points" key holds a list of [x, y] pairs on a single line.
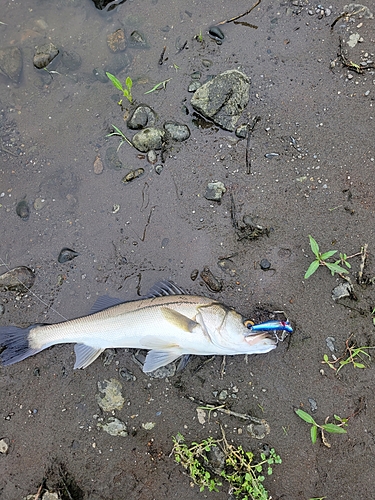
{"points": [[147, 139], [11, 63], [214, 191], [44, 55], [177, 131], [223, 98], [111, 158], [143, 116]]}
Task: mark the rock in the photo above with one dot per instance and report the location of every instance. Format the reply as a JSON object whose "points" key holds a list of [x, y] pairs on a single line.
{"points": [[194, 85], [102, 4], [112, 399], [212, 282], [111, 158], [143, 116], [71, 60], [116, 41], [11, 63], [133, 174], [98, 166], [223, 98], [19, 279], [114, 427], [4, 446], [177, 131], [149, 138], [23, 210], [66, 254], [214, 191], [44, 55], [138, 40]]}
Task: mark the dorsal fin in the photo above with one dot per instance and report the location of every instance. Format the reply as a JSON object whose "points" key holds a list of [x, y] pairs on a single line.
{"points": [[164, 288]]}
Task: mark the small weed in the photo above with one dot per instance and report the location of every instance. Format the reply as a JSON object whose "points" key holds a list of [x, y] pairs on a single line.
{"points": [[245, 478], [352, 355], [120, 134], [127, 90], [321, 259], [158, 86], [328, 427], [199, 37]]}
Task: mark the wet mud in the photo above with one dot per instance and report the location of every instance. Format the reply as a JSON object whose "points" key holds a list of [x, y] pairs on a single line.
{"points": [[307, 169]]}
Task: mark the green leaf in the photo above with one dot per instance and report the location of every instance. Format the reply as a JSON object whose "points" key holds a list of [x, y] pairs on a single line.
{"points": [[334, 268], [312, 268], [333, 429], [327, 255], [115, 81], [314, 433], [129, 83], [359, 365], [314, 246], [305, 416]]}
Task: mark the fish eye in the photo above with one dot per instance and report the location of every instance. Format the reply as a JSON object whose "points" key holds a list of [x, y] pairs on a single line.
{"points": [[248, 323]]}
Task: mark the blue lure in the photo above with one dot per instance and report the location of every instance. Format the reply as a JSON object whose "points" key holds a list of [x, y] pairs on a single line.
{"points": [[272, 326]]}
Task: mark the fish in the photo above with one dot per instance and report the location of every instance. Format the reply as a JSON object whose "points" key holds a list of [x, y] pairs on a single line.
{"points": [[167, 322]]}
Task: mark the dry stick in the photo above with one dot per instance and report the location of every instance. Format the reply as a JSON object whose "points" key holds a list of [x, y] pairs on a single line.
{"points": [[2, 263], [363, 261], [250, 129], [243, 416], [241, 15]]}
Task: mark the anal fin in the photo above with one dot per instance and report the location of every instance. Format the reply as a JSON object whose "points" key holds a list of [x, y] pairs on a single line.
{"points": [[85, 355]]}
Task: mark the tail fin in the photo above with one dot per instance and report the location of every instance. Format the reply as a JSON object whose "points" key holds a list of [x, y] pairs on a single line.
{"points": [[16, 343]]}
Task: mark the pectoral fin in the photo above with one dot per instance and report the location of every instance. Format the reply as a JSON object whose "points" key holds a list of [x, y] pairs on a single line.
{"points": [[177, 319], [156, 359], [85, 355]]}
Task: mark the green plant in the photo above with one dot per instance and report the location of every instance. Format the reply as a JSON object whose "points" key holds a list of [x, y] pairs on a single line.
{"points": [[245, 478], [328, 427], [321, 259], [159, 86], [120, 134], [351, 355], [199, 37], [127, 90]]}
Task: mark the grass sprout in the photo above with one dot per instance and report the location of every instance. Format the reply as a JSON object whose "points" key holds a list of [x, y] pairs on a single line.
{"points": [[126, 90], [327, 427]]}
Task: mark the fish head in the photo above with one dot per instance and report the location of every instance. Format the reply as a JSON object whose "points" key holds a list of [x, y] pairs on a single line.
{"points": [[230, 332]]}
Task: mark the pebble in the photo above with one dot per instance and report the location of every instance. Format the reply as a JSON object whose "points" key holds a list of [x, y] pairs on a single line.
{"points": [[11, 63], [143, 116], [23, 210], [177, 131], [313, 404], [330, 343], [194, 85], [98, 165], [216, 34], [212, 282], [265, 265], [39, 203], [127, 375], [111, 158], [116, 41], [159, 168], [133, 174], [214, 191], [151, 157], [66, 254], [112, 398], [44, 55], [148, 138], [114, 427], [4, 447], [138, 40]]}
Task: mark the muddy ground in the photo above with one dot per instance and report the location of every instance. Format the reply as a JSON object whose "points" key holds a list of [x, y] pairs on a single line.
{"points": [[322, 183]]}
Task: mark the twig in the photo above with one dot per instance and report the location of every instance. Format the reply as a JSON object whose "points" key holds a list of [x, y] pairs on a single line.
{"points": [[38, 492], [250, 129], [241, 15], [161, 59], [363, 261]]}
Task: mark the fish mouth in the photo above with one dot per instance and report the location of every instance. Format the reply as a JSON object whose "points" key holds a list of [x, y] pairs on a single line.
{"points": [[265, 338]]}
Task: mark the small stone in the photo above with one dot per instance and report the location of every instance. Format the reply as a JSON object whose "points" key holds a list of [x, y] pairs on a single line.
{"points": [[111, 158], [214, 191], [11, 63], [148, 426], [177, 131], [143, 116], [112, 399], [223, 395], [151, 157], [116, 41], [138, 40], [39, 203], [114, 427], [194, 85], [98, 165], [149, 138], [313, 404], [4, 447], [133, 174], [44, 55], [265, 265]]}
